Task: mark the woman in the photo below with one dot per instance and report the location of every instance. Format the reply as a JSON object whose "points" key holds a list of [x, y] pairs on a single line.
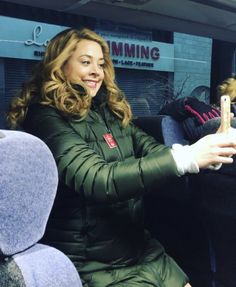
{"points": [[105, 164], [228, 87]]}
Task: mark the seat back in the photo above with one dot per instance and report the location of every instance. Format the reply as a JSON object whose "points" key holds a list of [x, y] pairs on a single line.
{"points": [[42, 265], [170, 209], [28, 185]]}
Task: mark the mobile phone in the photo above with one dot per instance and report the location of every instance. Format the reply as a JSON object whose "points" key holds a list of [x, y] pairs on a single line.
{"points": [[225, 113]]}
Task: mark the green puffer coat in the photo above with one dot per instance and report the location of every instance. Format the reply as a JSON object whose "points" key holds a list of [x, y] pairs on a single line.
{"points": [[97, 215]]}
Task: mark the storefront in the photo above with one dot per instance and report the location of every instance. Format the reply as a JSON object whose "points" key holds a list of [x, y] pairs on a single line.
{"points": [[146, 70]]}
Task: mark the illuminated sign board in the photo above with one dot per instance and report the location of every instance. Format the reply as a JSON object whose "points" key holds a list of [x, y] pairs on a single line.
{"points": [[24, 39]]}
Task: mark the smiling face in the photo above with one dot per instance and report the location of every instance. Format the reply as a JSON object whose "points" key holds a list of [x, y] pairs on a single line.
{"points": [[86, 64]]}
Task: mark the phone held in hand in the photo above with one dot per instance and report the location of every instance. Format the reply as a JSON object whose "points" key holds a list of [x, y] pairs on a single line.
{"points": [[225, 113]]}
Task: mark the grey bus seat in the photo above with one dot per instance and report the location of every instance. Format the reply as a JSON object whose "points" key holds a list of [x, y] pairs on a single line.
{"points": [[28, 184], [171, 211]]}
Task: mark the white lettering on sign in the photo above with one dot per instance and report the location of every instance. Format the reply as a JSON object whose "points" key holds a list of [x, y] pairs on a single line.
{"points": [[36, 33]]}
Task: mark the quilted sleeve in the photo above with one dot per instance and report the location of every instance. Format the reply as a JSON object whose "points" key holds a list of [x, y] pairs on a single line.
{"points": [[83, 170]]}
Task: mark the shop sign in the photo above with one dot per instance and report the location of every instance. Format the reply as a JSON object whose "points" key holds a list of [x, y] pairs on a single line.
{"points": [[145, 55], [24, 39]]}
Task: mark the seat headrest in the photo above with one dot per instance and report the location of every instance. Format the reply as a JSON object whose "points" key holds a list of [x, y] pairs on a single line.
{"points": [[172, 131], [28, 184], [211, 126]]}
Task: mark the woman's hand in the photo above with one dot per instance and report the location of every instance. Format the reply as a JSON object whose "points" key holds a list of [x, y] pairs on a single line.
{"points": [[215, 149], [220, 129]]}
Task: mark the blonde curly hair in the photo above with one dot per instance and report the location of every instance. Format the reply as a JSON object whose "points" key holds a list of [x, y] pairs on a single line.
{"points": [[228, 87], [49, 86]]}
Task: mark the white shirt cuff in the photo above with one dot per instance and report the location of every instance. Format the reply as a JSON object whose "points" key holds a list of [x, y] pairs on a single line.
{"points": [[185, 162]]}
